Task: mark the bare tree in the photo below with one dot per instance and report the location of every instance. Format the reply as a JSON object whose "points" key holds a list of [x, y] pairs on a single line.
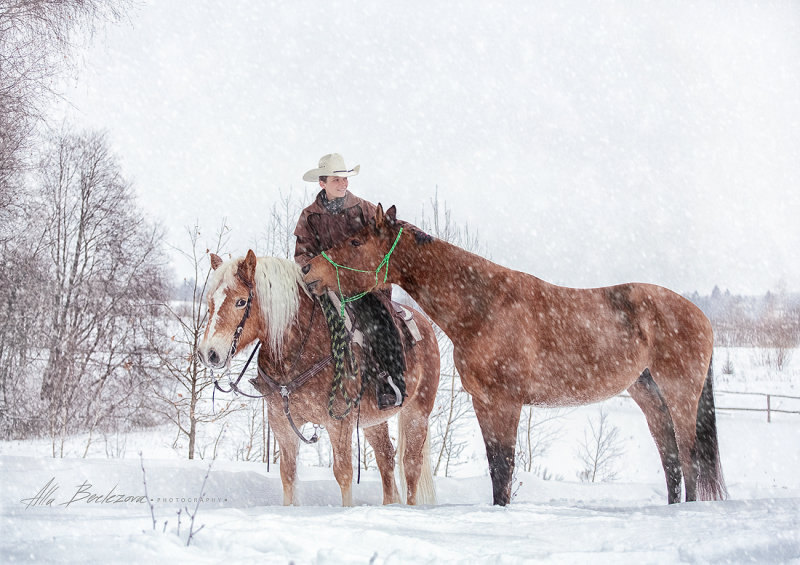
{"points": [[778, 330], [442, 225], [451, 409], [535, 436], [23, 284], [35, 48], [74, 312], [106, 276], [37, 38], [278, 239], [187, 394], [600, 449], [253, 445], [367, 455]]}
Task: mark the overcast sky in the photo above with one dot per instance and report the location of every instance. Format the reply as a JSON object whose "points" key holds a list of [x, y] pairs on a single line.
{"points": [[588, 143]]}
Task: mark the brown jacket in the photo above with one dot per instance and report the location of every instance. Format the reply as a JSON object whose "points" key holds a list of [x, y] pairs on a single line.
{"points": [[318, 229]]}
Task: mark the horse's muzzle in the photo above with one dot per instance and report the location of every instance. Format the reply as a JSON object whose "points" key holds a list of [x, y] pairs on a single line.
{"points": [[210, 359]]}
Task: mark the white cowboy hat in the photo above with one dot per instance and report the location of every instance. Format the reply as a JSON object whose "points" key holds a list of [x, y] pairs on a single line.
{"points": [[331, 165]]}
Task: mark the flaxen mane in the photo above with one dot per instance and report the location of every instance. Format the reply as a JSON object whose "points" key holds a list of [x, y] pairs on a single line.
{"points": [[276, 289]]}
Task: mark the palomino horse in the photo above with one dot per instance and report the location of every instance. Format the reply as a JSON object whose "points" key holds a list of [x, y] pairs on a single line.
{"points": [[289, 323], [518, 340]]}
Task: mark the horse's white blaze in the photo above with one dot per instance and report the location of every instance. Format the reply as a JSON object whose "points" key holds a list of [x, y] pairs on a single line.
{"points": [[212, 341], [217, 299]]}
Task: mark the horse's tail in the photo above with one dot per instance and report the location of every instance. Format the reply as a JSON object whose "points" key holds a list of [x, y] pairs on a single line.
{"points": [[401, 468], [710, 482], [426, 490]]}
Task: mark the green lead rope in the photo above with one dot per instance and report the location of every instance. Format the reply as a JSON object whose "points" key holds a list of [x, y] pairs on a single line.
{"points": [[383, 263], [342, 355]]}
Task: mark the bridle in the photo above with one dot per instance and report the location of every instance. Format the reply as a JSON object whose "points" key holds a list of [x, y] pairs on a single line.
{"points": [[237, 334], [283, 389]]}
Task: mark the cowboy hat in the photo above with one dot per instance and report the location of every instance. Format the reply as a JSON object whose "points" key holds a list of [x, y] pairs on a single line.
{"points": [[331, 165]]}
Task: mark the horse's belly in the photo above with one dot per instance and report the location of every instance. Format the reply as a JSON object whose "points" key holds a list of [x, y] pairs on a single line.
{"points": [[560, 375], [577, 387]]}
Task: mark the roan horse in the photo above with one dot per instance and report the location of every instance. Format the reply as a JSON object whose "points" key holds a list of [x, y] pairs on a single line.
{"points": [[267, 299], [519, 340]]}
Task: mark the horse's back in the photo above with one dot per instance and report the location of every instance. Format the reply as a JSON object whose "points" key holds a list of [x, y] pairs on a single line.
{"points": [[556, 345]]}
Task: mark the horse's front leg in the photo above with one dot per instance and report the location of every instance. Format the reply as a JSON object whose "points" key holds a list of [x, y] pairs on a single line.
{"points": [[498, 419], [289, 445], [341, 436], [378, 438]]}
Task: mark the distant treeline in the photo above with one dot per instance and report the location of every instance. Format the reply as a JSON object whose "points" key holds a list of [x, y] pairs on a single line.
{"points": [[771, 320]]}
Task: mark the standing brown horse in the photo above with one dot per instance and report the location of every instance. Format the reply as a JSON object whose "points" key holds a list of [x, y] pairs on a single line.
{"points": [[265, 299], [519, 340]]}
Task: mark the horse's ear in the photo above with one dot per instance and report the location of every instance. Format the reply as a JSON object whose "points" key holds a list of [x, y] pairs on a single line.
{"points": [[387, 218], [391, 215], [379, 215], [216, 261], [247, 268]]}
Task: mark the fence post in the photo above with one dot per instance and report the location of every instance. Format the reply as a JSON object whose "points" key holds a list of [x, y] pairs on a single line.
{"points": [[769, 416]]}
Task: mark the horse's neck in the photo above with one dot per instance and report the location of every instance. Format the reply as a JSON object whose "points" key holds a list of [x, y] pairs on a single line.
{"points": [[448, 282]]}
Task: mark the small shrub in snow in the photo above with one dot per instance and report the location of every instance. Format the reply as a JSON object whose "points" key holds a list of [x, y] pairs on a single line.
{"points": [[600, 449]]}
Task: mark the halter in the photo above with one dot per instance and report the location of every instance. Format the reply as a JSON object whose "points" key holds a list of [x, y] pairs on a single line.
{"points": [[381, 265]]}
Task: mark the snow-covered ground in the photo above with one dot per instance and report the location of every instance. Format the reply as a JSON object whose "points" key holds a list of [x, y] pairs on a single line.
{"points": [[90, 510]]}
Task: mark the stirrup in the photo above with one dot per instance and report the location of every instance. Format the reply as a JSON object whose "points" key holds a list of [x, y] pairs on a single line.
{"points": [[398, 396]]}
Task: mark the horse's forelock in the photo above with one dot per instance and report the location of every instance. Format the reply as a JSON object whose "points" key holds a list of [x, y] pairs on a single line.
{"points": [[222, 277]]}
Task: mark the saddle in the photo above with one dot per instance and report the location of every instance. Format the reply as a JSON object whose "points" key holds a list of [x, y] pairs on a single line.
{"points": [[404, 321], [384, 330]]}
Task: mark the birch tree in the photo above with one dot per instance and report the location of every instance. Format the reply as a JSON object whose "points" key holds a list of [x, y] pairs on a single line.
{"points": [[96, 276]]}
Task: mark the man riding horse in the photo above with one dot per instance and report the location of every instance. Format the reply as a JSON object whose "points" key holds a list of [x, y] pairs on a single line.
{"points": [[336, 214]]}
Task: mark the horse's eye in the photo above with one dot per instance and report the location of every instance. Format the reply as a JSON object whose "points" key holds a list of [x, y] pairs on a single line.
{"points": [[355, 242], [241, 303]]}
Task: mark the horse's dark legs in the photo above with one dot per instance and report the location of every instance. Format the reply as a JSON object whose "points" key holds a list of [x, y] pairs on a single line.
{"points": [[646, 394], [680, 379], [498, 421]]}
